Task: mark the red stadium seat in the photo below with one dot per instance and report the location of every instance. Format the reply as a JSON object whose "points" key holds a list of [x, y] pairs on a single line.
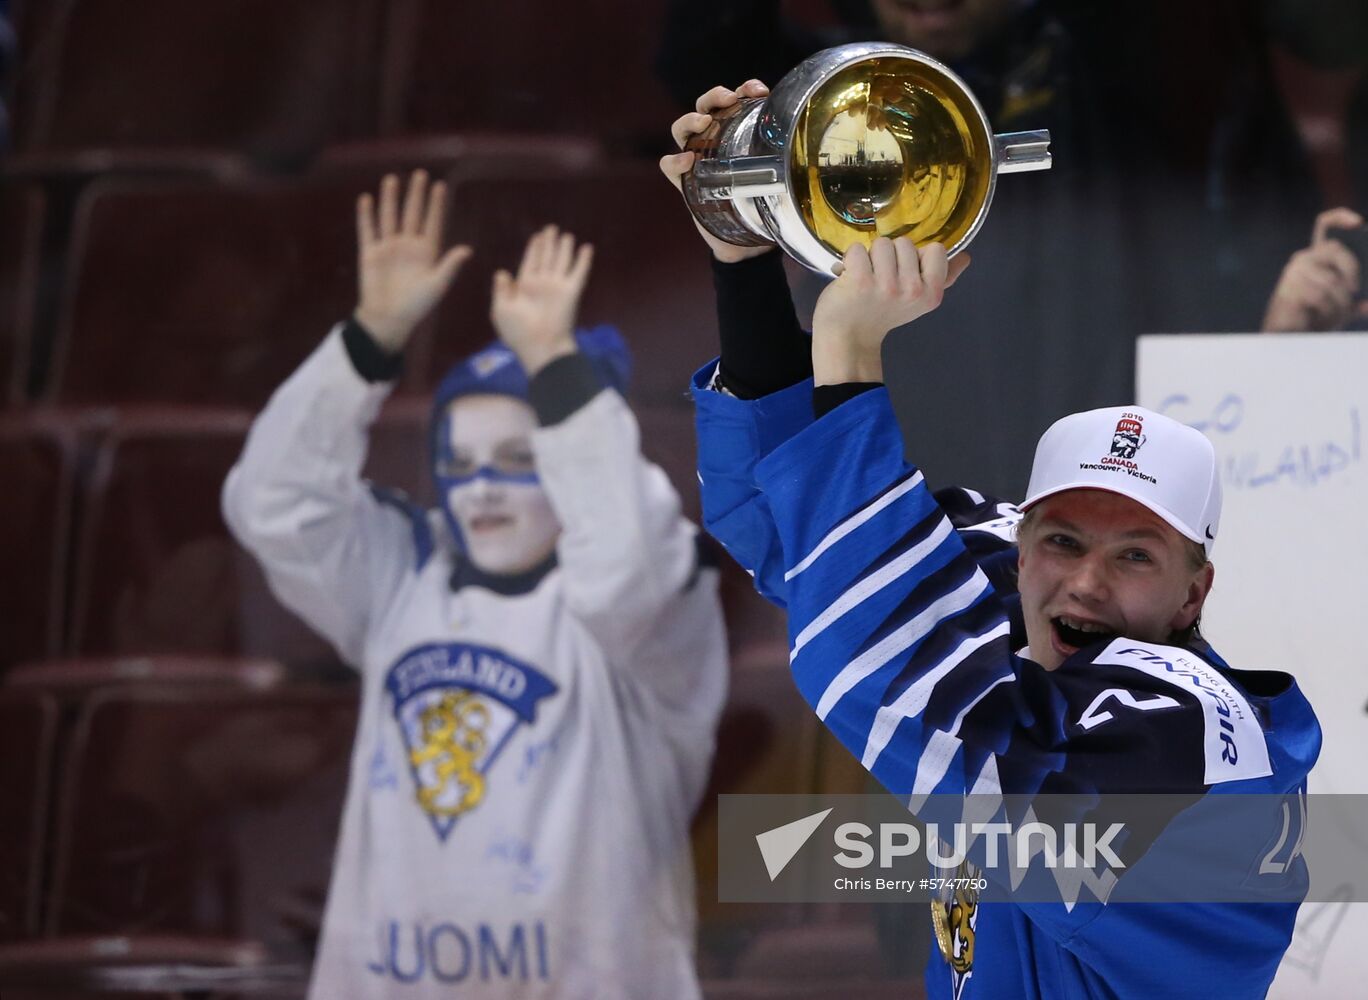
{"points": [[668, 439], [33, 24], [201, 293], [768, 742], [71, 681], [461, 154], [520, 65], [198, 810], [213, 293], [21, 220], [28, 730], [791, 988], [157, 571], [86, 966], [651, 277], [398, 455], [277, 79], [838, 952], [38, 454]]}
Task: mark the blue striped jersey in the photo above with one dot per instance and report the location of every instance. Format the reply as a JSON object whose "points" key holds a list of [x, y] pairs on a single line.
{"points": [[905, 633]]}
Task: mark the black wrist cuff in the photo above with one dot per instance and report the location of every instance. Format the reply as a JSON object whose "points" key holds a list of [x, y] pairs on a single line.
{"points": [[562, 387], [371, 361], [763, 348], [826, 398]]}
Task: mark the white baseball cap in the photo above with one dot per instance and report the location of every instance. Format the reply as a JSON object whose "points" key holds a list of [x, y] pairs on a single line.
{"points": [[1162, 465]]}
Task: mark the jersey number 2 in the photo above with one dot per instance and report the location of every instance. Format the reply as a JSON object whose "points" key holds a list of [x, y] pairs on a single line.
{"points": [[1094, 716]]}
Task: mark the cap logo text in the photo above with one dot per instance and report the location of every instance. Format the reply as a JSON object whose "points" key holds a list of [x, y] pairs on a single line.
{"points": [[1127, 439]]}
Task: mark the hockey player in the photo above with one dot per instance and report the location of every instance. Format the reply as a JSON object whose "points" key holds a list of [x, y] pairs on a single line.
{"points": [[957, 646], [542, 663]]}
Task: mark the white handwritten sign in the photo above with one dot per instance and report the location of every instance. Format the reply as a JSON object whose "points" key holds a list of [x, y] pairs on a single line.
{"points": [[1287, 416]]}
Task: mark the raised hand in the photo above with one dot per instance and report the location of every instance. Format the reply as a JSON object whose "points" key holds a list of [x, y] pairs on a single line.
{"points": [[890, 284], [675, 165], [403, 271], [1318, 287], [534, 313]]}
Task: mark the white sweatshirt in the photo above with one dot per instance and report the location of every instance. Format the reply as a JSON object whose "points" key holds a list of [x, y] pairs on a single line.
{"points": [[525, 766]]}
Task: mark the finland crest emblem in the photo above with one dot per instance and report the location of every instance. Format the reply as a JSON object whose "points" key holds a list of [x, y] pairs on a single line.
{"points": [[954, 918], [457, 705]]}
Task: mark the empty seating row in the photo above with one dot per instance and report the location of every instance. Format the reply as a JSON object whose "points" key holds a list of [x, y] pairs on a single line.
{"points": [[117, 545], [38, 203], [211, 292], [280, 79], [21, 222], [165, 825], [36, 514], [155, 570], [28, 736], [169, 789]]}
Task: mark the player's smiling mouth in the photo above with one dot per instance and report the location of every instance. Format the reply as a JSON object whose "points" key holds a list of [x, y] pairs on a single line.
{"points": [[1077, 632]]}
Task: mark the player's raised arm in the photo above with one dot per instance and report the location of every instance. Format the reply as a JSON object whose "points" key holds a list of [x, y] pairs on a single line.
{"points": [[295, 498], [887, 286], [764, 354]]}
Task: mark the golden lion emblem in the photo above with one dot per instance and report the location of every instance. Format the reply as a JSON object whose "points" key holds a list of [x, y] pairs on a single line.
{"points": [[962, 912], [452, 731]]}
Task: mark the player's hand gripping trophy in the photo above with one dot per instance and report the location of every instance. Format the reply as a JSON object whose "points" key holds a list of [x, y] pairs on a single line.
{"points": [[856, 142]]}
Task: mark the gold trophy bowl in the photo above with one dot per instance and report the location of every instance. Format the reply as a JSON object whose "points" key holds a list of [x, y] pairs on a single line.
{"points": [[856, 142]]}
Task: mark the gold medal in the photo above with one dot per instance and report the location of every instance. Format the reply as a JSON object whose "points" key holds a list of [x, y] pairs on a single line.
{"points": [[954, 915], [940, 923]]}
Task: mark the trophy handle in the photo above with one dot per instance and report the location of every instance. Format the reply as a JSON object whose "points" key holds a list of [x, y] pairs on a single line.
{"points": [[740, 177], [1018, 152], [718, 195]]}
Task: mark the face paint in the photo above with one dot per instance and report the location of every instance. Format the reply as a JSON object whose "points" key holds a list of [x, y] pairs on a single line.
{"points": [[493, 473], [487, 479]]}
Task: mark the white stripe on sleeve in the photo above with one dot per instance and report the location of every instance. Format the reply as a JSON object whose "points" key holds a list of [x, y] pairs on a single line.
{"points": [[871, 585], [904, 637], [914, 700], [854, 521]]}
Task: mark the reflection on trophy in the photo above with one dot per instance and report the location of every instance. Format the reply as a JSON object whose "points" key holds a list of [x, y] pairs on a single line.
{"points": [[860, 141]]}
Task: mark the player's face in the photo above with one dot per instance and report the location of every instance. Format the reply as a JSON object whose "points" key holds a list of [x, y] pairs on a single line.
{"points": [[1095, 565], [946, 29], [504, 515]]}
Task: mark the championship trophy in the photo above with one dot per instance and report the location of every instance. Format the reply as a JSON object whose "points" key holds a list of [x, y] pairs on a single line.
{"points": [[856, 142]]}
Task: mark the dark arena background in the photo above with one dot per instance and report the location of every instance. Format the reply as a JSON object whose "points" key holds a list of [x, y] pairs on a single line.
{"points": [[177, 234]]}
